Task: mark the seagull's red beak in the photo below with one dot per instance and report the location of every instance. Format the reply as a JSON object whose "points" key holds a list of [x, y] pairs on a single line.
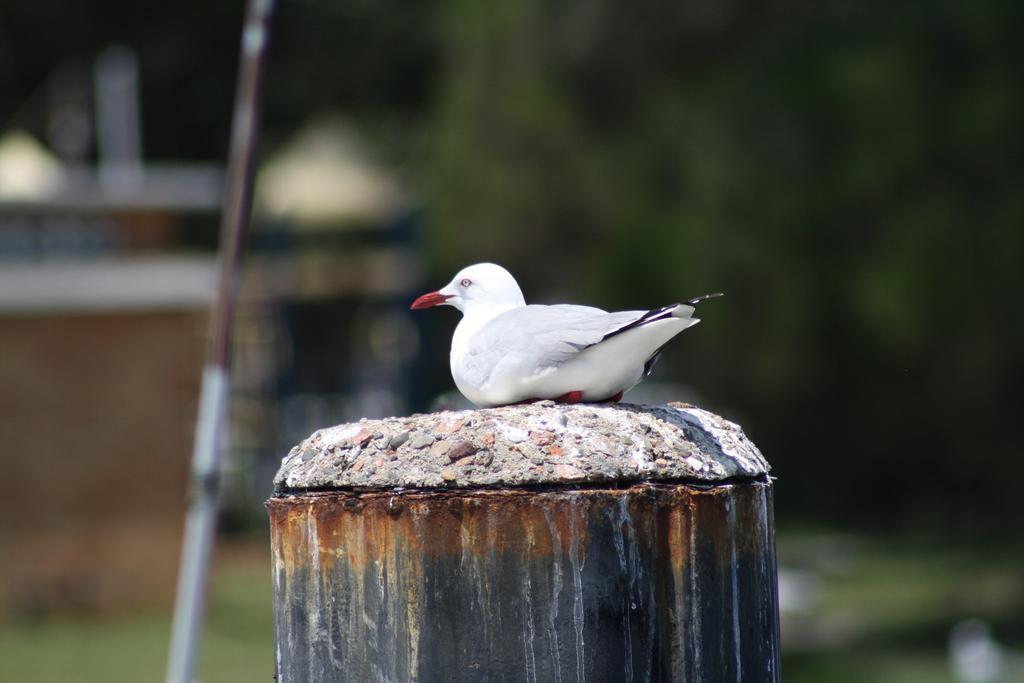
{"points": [[431, 299]]}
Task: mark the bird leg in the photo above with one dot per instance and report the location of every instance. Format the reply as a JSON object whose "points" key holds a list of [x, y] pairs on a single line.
{"points": [[566, 398], [613, 399]]}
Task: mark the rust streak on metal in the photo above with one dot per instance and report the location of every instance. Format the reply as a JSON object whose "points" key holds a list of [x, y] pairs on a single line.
{"points": [[674, 531], [289, 544], [363, 526]]}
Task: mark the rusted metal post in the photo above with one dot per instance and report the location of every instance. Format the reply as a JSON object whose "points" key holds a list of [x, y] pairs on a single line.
{"points": [[529, 543]]}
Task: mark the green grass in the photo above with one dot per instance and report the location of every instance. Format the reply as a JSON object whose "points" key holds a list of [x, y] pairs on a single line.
{"points": [[896, 667], [885, 606], [238, 642], [887, 609]]}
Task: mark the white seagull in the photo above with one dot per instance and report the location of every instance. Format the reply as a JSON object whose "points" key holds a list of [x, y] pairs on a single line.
{"points": [[505, 352]]}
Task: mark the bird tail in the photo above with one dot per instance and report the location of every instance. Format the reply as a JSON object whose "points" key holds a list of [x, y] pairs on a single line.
{"points": [[697, 299], [685, 310]]}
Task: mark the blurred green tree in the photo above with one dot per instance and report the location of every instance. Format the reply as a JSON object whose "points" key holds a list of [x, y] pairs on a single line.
{"points": [[848, 174]]}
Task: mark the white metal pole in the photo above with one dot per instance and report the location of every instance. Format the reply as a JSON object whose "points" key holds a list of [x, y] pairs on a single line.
{"points": [[204, 486]]}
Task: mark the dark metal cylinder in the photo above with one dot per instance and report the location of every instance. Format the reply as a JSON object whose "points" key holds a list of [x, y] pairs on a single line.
{"points": [[572, 581]]}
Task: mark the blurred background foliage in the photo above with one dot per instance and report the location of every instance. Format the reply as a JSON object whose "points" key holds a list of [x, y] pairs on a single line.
{"points": [[850, 174]]}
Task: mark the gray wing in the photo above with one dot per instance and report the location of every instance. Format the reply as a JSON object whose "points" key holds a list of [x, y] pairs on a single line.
{"points": [[533, 338]]}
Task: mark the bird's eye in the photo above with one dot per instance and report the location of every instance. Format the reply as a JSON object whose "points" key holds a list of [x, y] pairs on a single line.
{"points": [[466, 282]]}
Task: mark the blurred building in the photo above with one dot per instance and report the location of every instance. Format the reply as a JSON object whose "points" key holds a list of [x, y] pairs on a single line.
{"points": [[102, 323], [107, 269], [334, 261]]}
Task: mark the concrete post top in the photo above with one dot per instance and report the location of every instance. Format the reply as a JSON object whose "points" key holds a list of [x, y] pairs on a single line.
{"points": [[525, 445]]}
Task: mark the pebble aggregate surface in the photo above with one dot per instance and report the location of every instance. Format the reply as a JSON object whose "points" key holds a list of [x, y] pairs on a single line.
{"points": [[540, 443]]}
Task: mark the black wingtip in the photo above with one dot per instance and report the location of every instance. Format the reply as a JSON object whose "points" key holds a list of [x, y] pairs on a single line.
{"points": [[697, 299]]}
